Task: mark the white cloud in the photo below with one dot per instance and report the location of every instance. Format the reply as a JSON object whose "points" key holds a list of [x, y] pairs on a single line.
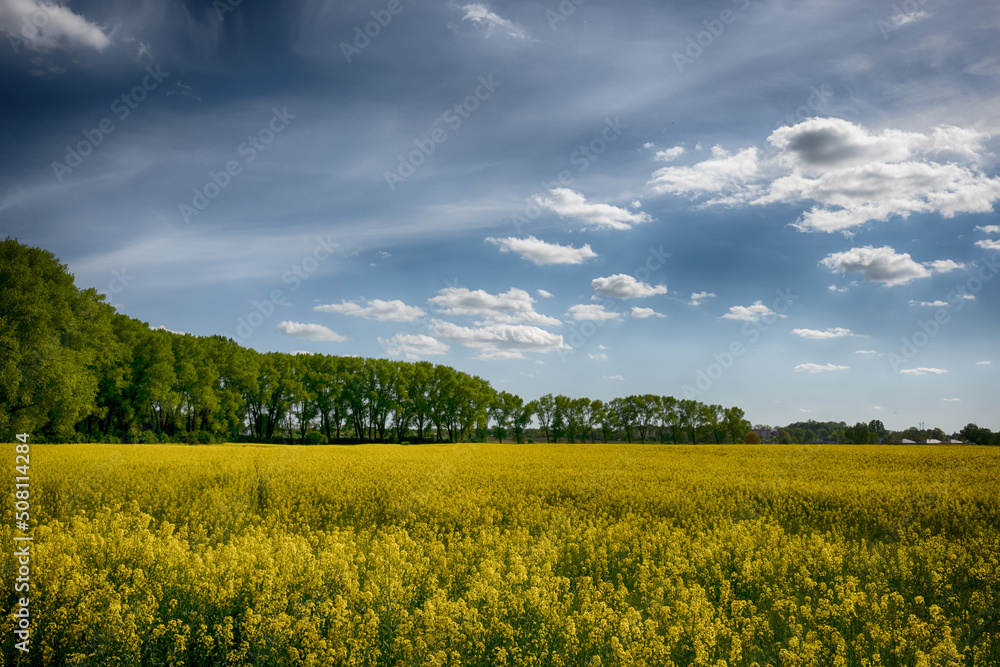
{"points": [[482, 16], [44, 26], [984, 363], [849, 174], [600, 356], [640, 313], [624, 286], [728, 176], [544, 293], [884, 265], [414, 346], [834, 288], [751, 313], [902, 19], [593, 311], [988, 244], [377, 309], [570, 204], [542, 253], [922, 371], [815, 334], [698, 297], [952, 400], [603, 347], [616, 378], [944, 265], [929, 304], [499, 341], [515, 306], [670, 154], [309, 331], [988, 229], [819, 368], [865, 352], [876, 407]]}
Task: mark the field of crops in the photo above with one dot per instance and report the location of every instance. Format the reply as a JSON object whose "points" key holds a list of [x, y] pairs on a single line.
{"points": [[523, 555]]}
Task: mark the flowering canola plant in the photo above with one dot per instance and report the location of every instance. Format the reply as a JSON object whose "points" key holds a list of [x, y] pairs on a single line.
{"points": [[526, 555]]}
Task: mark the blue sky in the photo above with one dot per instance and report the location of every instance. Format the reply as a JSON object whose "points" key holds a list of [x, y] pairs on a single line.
{"points": [[786, 206]]}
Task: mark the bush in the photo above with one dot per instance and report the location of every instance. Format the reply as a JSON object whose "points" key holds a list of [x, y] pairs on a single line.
{"points": [[751, 438], [315, 438]]}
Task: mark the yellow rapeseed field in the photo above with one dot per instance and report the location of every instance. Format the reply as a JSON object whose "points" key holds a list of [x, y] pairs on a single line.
{"points": [[520, 555]]}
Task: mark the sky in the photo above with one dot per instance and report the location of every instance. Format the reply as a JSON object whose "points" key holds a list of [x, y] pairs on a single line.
{"points": [[785, 206]]}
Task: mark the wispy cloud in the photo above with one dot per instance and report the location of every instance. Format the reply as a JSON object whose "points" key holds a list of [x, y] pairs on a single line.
{"points": [[316, 332], [543, 253]]}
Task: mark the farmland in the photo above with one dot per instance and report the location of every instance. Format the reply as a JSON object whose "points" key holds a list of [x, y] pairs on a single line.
{"points": [[485, 554]]}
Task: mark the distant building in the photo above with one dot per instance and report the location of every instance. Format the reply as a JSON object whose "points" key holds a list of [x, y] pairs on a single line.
{"points": [[766, 433]]}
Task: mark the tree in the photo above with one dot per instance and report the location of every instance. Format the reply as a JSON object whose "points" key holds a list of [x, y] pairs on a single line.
{"points": [[858, 434], [647, 408], [545, 410], [735, 423], [691, 417], [50, 337], [876, 427], [751, 438]]}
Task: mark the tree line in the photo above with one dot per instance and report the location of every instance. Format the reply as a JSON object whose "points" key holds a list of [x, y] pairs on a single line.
{"points": [[72, 369]]}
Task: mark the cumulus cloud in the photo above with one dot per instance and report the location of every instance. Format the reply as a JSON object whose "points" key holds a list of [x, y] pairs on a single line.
{"points": [[377, 309], [988, 244], [414, 346], [599, 356], [848, 174], [728, 177], [567, 203], [499, 341], [47, 26], [542, 253], [922, 371], [592, 311], [545, 294], [670, 154], [815, 334], [641, 313], [751, 313], [819, 368], [884, 265], [309, 331], [698, 297], [988, 229], [930, 304], [624, 286], [616, 378], [515, 306], [482, 16]]}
